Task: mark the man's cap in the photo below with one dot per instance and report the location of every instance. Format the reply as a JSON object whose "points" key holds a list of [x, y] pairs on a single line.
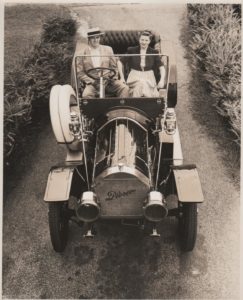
{"points": [[94, 32]]}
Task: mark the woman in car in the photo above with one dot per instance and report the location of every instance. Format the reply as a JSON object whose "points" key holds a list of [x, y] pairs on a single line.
{"points": [[141, 79]]}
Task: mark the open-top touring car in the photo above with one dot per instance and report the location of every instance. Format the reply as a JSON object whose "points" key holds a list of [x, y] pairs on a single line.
{"points": [[124, 159]]}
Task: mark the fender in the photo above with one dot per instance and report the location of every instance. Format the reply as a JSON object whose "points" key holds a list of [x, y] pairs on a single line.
{"points": [[187, 183], [177, 151], [59, 184]]}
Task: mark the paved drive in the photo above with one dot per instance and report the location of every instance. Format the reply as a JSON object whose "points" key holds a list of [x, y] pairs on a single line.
{"points": [[122, 262]]}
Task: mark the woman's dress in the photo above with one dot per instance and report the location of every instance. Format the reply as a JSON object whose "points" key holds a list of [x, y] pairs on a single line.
{"points": [[141, 79]]}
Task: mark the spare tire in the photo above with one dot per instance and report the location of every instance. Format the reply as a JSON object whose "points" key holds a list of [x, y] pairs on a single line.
{"points": [[54, 113], [61, 100]]}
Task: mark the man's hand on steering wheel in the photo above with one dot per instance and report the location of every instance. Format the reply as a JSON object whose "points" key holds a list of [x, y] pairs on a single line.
{"points": [[97, 73]]}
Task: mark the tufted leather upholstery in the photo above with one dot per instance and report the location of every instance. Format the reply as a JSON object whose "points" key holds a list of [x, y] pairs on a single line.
{"points": [[120, 40]]}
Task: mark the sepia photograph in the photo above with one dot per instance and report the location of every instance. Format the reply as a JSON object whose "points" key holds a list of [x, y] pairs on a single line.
{"points": [[121, 150]]}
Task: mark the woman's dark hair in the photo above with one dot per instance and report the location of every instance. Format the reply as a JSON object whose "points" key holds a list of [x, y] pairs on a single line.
{"points": [[146, 33]]}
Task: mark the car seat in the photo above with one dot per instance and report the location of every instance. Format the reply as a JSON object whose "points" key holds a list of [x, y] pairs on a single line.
{"points": [[120, 40]]}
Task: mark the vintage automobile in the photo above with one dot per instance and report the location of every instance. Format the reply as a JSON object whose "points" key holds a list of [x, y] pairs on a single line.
{"points": [[124, 158]]}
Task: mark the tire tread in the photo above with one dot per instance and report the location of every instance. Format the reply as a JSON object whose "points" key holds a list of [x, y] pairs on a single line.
{"points": [[188, 227], [58, 238]]}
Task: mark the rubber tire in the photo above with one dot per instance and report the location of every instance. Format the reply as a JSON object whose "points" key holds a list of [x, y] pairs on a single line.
{"points": [[58, 225], [54, 113], [188, 226], [61, 98]]}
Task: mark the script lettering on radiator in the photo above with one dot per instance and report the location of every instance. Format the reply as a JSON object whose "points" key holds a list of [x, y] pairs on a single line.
{"points": [[111, 195]]}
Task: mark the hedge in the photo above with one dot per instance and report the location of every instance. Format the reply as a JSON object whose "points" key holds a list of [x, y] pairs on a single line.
{"points": [[27, 87], [215, 45]]}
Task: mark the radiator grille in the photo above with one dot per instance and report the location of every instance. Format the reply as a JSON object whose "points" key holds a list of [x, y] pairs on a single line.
{"points": [[121, 195]]}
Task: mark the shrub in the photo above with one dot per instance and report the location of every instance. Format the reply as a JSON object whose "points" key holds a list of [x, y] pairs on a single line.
{"points": [[216, 49], [27, 86], [58, 30]]}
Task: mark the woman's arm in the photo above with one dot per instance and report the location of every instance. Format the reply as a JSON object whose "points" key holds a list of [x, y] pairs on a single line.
{"points": [[161, 83], [159, 63]]}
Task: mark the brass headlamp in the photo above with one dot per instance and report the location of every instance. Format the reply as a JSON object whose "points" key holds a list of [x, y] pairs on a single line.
{"points": [[170, 121]]}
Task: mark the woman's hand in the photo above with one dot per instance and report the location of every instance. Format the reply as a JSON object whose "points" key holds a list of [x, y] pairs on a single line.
{"points": [[161, 84], [122, 79], [120, 71]]}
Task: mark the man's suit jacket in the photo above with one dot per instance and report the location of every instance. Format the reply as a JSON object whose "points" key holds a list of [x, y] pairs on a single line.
{"points": [[151, 62], [85, 63]]}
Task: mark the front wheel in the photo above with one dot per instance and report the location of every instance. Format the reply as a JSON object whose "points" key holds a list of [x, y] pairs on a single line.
{"points": [[187, 225], [58, 224]]}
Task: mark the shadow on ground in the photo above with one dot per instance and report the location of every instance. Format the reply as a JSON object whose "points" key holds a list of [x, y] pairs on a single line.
{"points": [[21, 163]]}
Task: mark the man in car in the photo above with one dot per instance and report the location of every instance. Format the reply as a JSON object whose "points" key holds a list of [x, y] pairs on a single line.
{"points": [[99, 56]]}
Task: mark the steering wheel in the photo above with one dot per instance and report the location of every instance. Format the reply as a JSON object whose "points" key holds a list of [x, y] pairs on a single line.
{"points": [[101, 72]]}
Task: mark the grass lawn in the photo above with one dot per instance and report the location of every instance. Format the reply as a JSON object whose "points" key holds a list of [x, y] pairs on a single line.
{"points": [[22, 29]]}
